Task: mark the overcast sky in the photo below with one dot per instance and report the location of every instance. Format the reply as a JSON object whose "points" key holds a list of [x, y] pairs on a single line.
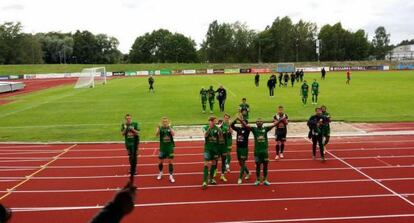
{"points": [[127, 19]]}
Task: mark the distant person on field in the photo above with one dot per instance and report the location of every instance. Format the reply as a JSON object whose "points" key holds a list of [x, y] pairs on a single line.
{"points": [[130, 130], [166, 134], [244, 109], [5, 214], [302, 75], [151, 84], [285, 80], [242, 140], [292, 78], [211, 93], [280, 77], [257, 79], [297, 74], [304, 90], [315, 92], [315, 124], [121, 205], [221, 97], [271, 84], [203, 96], [348, 76], [323, 73]]}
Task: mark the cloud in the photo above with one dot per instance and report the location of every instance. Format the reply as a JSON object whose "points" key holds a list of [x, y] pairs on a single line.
{"points": [[16, 7]]}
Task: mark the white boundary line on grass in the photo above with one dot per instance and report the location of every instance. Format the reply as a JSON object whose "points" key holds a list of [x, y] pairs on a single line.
{"points": [[345, 218], [369, 177], [31, 209]]}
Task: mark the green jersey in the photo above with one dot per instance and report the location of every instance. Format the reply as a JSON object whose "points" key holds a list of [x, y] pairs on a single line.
{"points": [[130, 137], [260, 139], [203, 94], [212, 139], [211, 93], [166, 139], [244, 109], [304, 89], [225, 128], [315, 88]]}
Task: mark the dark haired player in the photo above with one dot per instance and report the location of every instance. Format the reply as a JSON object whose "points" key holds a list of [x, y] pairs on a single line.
{"points": [[304, 90], [244, 109], [242, 140], [151, 84], [256, 79], [285, 80], [281, 119], [323, 73], [166, 134], [326, 126], [203, 96], [271, 84], [280, 79], [221, 97], [211, 93], [315, 124], [223, 145], [292, 78], [211, 135], [130, 130], [261, 145], [315, 92]]}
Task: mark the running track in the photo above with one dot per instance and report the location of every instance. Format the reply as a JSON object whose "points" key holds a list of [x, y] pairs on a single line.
{"points": [[365, 179]]}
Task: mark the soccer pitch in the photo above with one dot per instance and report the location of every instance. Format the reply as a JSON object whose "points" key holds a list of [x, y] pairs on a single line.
{"points": [[67, 114]]}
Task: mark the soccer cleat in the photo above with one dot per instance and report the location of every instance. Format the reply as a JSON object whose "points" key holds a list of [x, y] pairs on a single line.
{"points": [[281, 156], [204, 185], [257, 183], [213, 182], [239, 181], [247, 177], [223, 178], [159, 176], [172, 180], [276, 157], [266, 183]]}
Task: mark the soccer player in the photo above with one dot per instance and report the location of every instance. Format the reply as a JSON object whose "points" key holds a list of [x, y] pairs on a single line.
{"points": [[166, 134], [348, 76], [229, 140], [315, 124], [242, 140], [286, 79], [203, 96], [151, 84], [257, 79], [5, 214], [223, 145], [323, 73], [297, 74], [244, 109], [315, 92], [281, 120], [211, 135], [292, 78], [280, 79], [211, 94], [326, 127], [302, 75], [130, 130], [221, 97], [261, 145], [304, 89], [271, 84]]}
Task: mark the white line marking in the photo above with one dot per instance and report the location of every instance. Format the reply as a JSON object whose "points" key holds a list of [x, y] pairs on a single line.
{"points": [[374, 180], [383, 162], [345, 218], [30, 209]]}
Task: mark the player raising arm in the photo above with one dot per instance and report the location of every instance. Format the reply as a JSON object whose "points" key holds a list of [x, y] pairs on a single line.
{"points": [[166, 134], [261, 146], [242, 139], [281, 120], [211, 135], [315, 124], [130, 130]]}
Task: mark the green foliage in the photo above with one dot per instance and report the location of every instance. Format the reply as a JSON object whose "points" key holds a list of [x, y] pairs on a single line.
{"points": [[381, 43], [94, 114]]}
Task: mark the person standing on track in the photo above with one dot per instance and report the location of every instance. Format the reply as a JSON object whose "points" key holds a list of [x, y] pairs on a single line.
{"points": [[130, 130], [326, 127], [166, 134], [211, 135], [223, 145], [281, 120], [203, 96], [229, 140], [256, 79], [304, 89], [242, 140], [261, 146], [151, 84], [211, 94], [315, 124], [221, 97]]}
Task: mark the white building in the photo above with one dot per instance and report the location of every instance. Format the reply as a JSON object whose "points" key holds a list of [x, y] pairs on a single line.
{"points": [[405, 52]]}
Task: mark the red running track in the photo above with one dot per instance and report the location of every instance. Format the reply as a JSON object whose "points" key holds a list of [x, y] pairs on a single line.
{"points": [[366, 179]]}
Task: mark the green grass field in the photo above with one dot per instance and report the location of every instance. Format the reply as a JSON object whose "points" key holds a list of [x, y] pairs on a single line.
{"points": [[66, 114]]}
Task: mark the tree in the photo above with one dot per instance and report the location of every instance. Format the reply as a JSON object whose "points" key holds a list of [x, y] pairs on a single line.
{"points": [[381, 43]]}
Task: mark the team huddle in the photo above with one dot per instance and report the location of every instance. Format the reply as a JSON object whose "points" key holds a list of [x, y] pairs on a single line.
{"points": [[218, 139]]}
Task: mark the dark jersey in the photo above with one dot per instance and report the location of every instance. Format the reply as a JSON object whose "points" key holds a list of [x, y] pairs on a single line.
{"points": [[221, 94], [282, 120], [315, 124], [257, 78], [211, 93], [242, 137], [151, 80], [286, 77]]}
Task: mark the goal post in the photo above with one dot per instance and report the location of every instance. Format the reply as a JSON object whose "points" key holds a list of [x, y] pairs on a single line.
{"points": [[285, 67], [89, 77]]}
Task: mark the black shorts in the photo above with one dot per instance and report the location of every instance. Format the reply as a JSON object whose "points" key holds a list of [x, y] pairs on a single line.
{"points": [[281, 135]]}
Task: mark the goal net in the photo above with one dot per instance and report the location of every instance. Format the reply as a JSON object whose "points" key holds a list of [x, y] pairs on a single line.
{"points": [[89, 77], [285, 67]]}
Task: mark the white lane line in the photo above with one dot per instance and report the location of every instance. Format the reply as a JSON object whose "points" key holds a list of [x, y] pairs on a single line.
{"points": [[383, 162], [31, 209], [345, 218], [373, 180]]}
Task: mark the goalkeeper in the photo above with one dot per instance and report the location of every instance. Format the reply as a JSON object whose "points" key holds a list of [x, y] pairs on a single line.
{"points": [[130, 130]]}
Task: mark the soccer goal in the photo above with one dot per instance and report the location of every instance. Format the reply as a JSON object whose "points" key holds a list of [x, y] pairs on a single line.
{"points": [[89, 77], [285, 67]]}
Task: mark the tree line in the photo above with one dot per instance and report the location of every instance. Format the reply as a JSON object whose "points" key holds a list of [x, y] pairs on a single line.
{"points": [[282, 41]]}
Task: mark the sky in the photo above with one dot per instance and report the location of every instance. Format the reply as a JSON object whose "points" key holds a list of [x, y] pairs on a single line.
{"points": [[128, 19]]}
